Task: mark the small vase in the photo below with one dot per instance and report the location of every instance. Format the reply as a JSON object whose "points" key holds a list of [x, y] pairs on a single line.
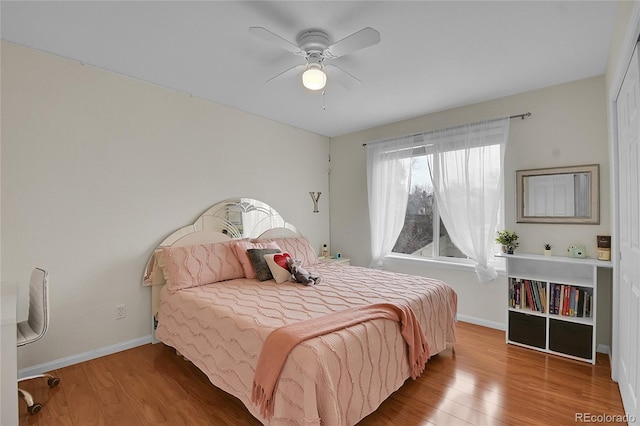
{"points": [[547, 252], [507, 249]]}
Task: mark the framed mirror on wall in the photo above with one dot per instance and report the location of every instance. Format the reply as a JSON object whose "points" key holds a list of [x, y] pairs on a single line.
{"points": [[559, 195]]}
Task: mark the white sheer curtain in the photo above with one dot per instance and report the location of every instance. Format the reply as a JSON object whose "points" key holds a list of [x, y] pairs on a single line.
{"points": [[388, 184], [468, 185]]}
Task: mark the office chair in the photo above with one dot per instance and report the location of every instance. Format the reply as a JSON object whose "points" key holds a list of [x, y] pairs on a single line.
{"points": [[34, 328]]}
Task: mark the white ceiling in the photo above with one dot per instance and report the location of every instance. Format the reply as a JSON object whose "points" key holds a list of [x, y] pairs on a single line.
{"points": [[433, 55]]}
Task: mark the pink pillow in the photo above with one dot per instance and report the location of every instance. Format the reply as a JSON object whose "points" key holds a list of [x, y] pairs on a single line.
{"points": [[192, 266], [299, 248], [278, 266], [240, 249]]}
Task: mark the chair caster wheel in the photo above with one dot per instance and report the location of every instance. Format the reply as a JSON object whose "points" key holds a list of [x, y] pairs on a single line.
{"points": [[35, 408], [53, 382]]}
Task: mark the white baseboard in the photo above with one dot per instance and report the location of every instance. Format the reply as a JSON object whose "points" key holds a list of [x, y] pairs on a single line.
{"points": [[86, 356], [604, 349], [482, 322]]}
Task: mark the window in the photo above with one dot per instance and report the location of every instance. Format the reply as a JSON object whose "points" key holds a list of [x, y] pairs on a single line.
{"points": [[423, 233], [438, 194]]}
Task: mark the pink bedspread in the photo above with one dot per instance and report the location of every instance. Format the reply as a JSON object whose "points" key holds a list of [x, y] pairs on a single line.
{"points": [[334, 379]]}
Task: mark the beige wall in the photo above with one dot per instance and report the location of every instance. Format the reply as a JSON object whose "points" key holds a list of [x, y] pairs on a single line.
{"points": [[98, 168], [568, 127]]}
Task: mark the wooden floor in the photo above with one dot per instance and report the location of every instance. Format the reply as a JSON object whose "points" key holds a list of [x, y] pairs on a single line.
{"points": [[482, 381]]}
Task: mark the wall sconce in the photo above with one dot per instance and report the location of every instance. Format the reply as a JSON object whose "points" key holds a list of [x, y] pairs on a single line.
{"points": [[315, 197]]}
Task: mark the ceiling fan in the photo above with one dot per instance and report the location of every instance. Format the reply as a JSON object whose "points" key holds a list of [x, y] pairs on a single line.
{"points": [[315, 46]]}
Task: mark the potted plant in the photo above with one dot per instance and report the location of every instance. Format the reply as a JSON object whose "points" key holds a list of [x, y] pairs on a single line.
{"points": [[547, 249], [508, 240]]}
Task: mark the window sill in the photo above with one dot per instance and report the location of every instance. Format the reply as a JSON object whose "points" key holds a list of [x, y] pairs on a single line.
{"points": [[444, 262]]}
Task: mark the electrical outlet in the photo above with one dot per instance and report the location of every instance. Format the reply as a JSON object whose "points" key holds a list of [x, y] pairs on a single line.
{"points": [[121, 311]]}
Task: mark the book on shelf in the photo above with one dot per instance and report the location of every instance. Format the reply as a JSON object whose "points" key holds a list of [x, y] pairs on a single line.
{"points": [[543, 296], [535, 296], [588, 300], [527, 294], [570, 301], [556, 299], [537, 289], [580, 304]]}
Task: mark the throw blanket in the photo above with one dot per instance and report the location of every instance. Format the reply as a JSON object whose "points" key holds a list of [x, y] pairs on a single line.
{"points": [[281, 341]]}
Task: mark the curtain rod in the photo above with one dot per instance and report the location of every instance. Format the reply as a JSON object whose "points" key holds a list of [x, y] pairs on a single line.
{"points": [[522, 116]]}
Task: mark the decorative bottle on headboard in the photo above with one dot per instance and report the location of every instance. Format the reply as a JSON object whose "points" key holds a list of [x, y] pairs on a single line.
{"points": [[325, 251]]}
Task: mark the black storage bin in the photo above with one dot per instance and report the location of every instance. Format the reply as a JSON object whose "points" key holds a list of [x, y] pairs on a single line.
{"points": [[571, 338], [527, 329]]}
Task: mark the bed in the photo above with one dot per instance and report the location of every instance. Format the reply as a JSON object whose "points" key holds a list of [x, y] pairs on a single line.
{"points": [[218, 315]]}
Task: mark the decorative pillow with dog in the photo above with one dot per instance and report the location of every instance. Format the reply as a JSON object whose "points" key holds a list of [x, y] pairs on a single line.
{"points": [[279, 266]]}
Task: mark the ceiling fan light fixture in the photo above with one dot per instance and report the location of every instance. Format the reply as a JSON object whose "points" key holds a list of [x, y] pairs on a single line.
{"points": [[315, 46], [314, 77]]}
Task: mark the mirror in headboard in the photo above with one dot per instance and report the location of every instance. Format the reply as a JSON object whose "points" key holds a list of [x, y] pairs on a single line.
{"points": [[559, 195], [241, 218], [237, 218]]}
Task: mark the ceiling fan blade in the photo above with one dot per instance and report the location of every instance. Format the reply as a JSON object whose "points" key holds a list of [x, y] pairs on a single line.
{"points": [[274, 38], [287, 73], [345, 79], [364, 38]]}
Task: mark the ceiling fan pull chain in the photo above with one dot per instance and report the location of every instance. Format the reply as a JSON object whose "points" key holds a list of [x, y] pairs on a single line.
{"points": [[324, 100]]}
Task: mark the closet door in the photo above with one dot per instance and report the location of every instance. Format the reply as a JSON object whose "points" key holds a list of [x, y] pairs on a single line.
{"points": [[628, 104]]}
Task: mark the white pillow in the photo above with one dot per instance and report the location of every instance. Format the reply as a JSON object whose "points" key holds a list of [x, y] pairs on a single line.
{"points": [[278, 266]]}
